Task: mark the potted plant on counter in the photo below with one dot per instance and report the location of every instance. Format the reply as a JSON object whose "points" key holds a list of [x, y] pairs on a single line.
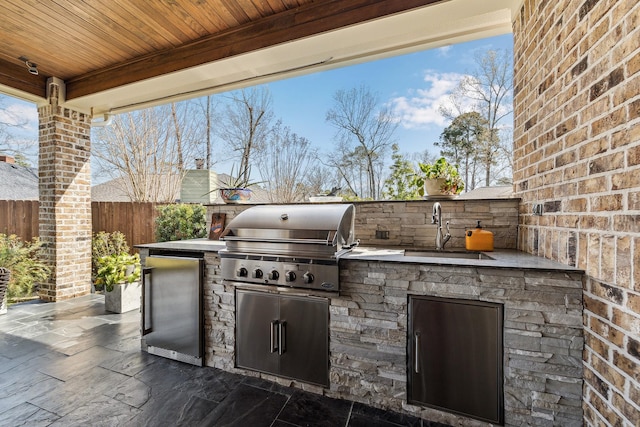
{"points": [[120, 276], [438, 179], [236, 188]]}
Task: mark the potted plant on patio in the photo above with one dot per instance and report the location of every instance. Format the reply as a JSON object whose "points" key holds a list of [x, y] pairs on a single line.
{"points": [[438, 179], [105, 243], [120, 276]]}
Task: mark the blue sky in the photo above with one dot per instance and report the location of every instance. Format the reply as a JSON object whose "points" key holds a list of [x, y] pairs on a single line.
{"points": [[413, 85]]}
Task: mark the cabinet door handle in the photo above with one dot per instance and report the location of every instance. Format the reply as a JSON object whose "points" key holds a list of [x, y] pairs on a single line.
{"points": [[416, 352], [146, 295], [273, 340], [282, 334]]}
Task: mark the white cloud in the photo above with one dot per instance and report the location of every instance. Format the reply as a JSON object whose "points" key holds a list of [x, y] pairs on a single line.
{"points": [[421, 107], [20, 114], [444, 50]]}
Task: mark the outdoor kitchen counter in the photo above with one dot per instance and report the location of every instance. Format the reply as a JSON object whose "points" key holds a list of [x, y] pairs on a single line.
{"points": [[500, 259], [369, 325], [197, 245]]}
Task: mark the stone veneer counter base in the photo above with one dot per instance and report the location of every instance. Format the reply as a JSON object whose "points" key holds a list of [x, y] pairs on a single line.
{"points": [[543, 337]]}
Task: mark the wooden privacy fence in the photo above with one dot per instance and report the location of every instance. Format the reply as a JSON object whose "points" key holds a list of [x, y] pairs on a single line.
{"points": [[19, 217], [135, 220]]}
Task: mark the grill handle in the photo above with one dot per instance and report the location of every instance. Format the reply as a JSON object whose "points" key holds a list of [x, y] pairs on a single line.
{"points": [[416, 353]]}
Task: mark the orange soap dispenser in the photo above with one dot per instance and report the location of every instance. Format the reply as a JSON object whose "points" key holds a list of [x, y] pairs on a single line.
{"points": [[479, 239]]}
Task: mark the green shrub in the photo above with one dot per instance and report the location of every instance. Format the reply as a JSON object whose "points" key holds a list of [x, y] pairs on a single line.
{"points": [[105, 244], [24, 260], [181, 222]]}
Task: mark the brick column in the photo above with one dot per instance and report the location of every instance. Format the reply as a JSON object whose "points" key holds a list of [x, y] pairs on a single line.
{"points": [[65, 196]]}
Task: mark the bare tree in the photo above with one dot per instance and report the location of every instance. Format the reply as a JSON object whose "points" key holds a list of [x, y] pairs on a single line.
{"points": [[369, 132], [246, 125], [487, 90], [140, 151], [10, 124], [321, 179], [208, 109], [353, 166], [284, 164]]}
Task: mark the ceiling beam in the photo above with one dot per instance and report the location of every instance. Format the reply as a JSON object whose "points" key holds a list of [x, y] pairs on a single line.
{"points": [[18, 77], [280, 28]]}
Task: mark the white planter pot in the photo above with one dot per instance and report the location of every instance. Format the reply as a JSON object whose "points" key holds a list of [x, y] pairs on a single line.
{"points": [[4, 283], [124, 297], [3, 305], [432, 187]]}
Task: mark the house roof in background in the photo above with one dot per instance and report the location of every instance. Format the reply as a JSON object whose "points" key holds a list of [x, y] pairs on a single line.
{"points": [[115, 191], [18, 182]]}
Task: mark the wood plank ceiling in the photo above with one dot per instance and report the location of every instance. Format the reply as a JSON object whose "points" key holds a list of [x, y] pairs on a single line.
{"points": [[97, 45]]}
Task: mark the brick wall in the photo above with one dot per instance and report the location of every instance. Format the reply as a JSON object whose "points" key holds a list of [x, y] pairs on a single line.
{"points": [[65, 199], [577, 152]]}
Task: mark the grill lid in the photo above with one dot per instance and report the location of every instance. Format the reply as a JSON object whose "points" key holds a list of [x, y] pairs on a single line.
{"points": [[317, 230]]}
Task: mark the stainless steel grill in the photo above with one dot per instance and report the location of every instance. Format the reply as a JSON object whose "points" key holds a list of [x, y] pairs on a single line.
{"points": [[288, 245]]}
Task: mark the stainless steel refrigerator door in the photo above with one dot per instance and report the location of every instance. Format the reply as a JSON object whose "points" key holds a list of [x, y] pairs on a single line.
{"points": [[455, 356], [172, 315]]}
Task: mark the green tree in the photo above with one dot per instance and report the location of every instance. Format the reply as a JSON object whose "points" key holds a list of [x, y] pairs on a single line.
{"points": [[398, 186], [460, 143]]}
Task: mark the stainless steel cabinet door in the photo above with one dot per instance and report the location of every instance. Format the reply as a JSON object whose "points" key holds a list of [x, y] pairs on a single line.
{"points": [[283, 335], [305, 323], [256, 331], [455, 356]]}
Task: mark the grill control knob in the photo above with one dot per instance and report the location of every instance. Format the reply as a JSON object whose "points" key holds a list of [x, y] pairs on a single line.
{"points": [[274, 275], [242, 272], [307, 277], [290, 276], [257, 273]]}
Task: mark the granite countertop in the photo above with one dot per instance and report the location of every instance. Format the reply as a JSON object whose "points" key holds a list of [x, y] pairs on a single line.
{"points": [[501, 258], [204, 245]]}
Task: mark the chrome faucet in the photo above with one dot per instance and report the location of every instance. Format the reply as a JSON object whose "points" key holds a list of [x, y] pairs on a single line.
{"points": [[437, 219]]}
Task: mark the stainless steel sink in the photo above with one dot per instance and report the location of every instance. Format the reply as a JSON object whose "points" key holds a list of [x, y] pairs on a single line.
{"points": [[447, 254]]}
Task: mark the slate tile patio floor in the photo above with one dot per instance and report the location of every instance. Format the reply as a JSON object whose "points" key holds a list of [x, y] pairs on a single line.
{"points": [[72, 364]]}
